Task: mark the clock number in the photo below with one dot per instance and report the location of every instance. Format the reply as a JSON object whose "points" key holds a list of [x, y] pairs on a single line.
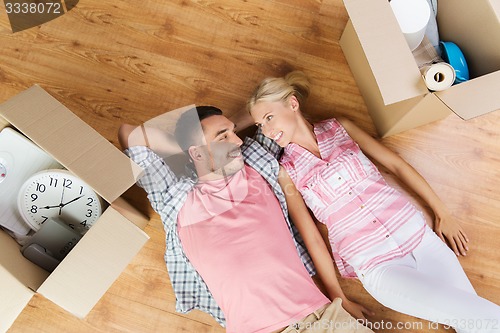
{"points": [[81, 189], [84, 223], [90, 201], [40, 187], [34, 209], [89, 213], [67, 183], [45, 218], [53, 182], [33, 197]]}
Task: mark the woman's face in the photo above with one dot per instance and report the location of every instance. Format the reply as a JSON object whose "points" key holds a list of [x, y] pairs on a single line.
{"points": [[278, 120]]}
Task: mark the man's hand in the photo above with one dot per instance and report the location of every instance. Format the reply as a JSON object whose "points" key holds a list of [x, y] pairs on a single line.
{"points": [[158, 140], [356, 310]]}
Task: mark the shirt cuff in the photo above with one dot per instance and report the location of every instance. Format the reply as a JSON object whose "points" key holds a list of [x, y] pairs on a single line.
{"points": [[141, 155]]}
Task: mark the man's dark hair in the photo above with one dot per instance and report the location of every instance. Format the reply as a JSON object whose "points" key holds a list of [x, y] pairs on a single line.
{"points": [[187, 129]]}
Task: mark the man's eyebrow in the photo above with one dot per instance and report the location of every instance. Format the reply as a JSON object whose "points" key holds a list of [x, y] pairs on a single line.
{"points": [[222, 131]]}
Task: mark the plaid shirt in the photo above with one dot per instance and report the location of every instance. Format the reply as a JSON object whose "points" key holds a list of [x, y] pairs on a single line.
{"points": [[167, 194]]}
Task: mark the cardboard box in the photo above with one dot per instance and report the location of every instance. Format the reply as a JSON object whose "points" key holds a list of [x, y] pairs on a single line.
{"points": [[106, 249], [389, 79]]}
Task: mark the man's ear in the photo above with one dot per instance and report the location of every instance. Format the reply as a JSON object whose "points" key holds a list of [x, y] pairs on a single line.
{"points": [[195, 153]]}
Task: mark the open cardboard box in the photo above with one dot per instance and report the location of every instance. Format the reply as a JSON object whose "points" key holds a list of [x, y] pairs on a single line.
{"points": [[101, 255], [389, 79]]}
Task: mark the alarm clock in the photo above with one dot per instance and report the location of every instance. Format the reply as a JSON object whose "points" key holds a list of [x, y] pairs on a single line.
{"points": [[57, 193]]}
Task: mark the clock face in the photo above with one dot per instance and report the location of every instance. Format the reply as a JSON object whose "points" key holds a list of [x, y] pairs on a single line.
{"points": [[58, 193]]}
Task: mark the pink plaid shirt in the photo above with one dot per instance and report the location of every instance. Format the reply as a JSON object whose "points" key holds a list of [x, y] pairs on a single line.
{"points": [[368, 221]]}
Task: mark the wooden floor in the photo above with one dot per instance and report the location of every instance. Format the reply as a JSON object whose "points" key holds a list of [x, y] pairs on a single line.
{"points": [[128, 61]]}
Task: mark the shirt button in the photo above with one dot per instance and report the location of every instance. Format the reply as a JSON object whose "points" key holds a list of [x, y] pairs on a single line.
{"points": [[350, 193], [362, 206], [374, 221], [386, 236], [340, 178]]}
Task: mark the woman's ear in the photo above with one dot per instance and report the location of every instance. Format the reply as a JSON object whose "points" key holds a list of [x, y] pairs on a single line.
{"points": [[294, 103]]}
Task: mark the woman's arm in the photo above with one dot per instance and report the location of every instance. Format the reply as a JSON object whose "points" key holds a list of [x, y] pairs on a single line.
{"points": [[316, 245], [444, 224]]}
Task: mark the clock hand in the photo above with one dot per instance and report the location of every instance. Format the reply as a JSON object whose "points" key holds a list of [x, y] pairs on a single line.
{"points": [[48, 207], [62, 198], [62, 204], [77, 198]]}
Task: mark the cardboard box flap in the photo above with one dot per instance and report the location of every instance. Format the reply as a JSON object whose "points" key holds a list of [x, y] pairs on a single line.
{"points": [[130, 212], [3, 123], [477, 33], [94, 263], [397, 75], [16, 275], [15, 296], [87, 154], [475, 97]]}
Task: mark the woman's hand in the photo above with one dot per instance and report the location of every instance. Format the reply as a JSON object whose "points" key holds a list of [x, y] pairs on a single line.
{"points": [[356, 310], [445, 225], [448, 229]]}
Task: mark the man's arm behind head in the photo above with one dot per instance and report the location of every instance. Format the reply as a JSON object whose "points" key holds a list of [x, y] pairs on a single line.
{"points": [[156, 139], [126, 139], [163, 144]]}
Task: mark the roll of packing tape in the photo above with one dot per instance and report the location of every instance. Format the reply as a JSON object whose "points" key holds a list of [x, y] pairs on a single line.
{"points": [[413, 17], [438, 76]]}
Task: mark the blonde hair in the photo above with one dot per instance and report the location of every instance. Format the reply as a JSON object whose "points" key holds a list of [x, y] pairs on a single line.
{"points": [[274, 89]]}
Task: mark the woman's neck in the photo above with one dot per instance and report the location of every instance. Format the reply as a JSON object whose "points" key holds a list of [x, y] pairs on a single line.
{"points": [[304, 136]]}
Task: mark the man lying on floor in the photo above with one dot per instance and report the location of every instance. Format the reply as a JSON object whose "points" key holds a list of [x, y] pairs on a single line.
{"points": [[231, 249]]}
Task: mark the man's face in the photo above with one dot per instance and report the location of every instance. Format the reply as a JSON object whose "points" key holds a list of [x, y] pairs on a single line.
{"points": [[222, 154]]}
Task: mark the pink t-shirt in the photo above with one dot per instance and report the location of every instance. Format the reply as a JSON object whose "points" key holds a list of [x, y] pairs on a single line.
{"points": [[234, 233]]}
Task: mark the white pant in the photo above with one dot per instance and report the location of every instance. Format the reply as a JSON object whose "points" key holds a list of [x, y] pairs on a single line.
{"points": [[429, 283]]}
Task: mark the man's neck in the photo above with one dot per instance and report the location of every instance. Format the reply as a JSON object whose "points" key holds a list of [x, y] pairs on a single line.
{"points": [[214, 176], [209, 177]]}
